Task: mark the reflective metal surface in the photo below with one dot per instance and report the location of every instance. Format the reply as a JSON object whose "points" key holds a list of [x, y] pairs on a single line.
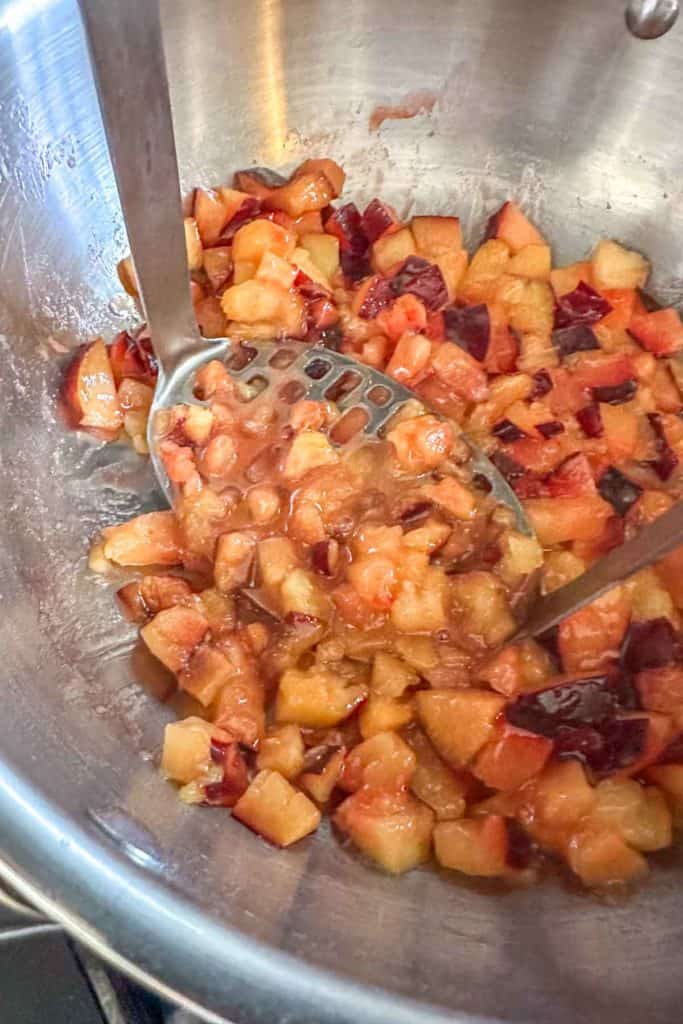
{"points": [[554, 103]]}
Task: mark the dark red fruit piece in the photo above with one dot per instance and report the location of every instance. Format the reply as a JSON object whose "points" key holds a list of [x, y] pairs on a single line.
{"points": [[510, 469], [550, 429], [542, 384], [666, 460], [218, 751], [470, 328], [354, 267], [582, 306], [650, 644], [614, 745], [508, 432], [379, 295], [422, 279], [235, 779], [590, 420], [346, 223], [615, 394], [377, 217], [575, 339], [133, 357], [618, 490], [582, 701]]}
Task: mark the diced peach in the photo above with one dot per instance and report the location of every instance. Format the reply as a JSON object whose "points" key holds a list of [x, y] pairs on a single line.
{"points": [[661, 689], [621, 427], [639, 814], [453, 496], [320, 784], [260, 236], [420, 606], [514, 228], [436, 235], [504, 392], [305, 192], [316, 698], [433, 781], [459, 722], [276, 810], [562, 795], [556, 520], [384, 761], [323, 250], [669, 777], [480, 604], [661, 332], [613, 266], [173, 634], [233, 558], [205, 673], [521, 555], [211, 215], [622, 301], [511, 759], [127, 276], [486, 267], [421, 443], [405, 315], [590, 639], [392, 828], [658, 733], [463, 374], [187, 748], [601, 857], [308, 451], [474, 846], [219, 611], [330, 168], [410, 357], [391, 249], [240, 709], [391, 676], [282, 750], [301, 593], [276, 559], [253, 302], [503, 672], [453, 267], [532, 261], [384, 714], [89, 392], [150, 539], [566, 279]]}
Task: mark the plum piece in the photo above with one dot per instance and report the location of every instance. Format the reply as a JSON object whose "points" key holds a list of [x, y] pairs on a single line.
{"points": [[346, 223], [378, 296], [651, 644], [508, 432], [579, 338], [542, 383], [573, 478], [470, 328], [582, 306], [590, 420], [666, 460], [377, 217], [354, 266], [325, 557], [550, 429], [613, 746], [521, 850], [417, 276], [511, 225], [133, 357], [89, 395], [618, 490], [615, 394], [673, 751], [583, 701]]}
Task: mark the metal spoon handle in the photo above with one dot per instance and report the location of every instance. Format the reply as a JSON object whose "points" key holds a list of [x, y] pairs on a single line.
{"points": [[128, 63], [652, 542]]}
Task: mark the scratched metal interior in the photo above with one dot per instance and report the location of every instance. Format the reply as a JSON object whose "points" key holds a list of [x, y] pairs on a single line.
{"points": [[550, 102]]}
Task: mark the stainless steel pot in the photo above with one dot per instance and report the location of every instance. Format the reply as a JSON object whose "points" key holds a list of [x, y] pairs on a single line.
{"points": [[552, 102]]}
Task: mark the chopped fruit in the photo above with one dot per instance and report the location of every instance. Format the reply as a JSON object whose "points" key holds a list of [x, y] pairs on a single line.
{"points": [[384, 761], [392, 828], [89, 392], [149, 539], [173, 634], [511, 759], [316, 698], [511, 226], [601, 857], [187, 750], [531, 261], [351, 600], [459, 722], [282, 750], [615, 267], [474, 846], [276, 810], [660, 332]]}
